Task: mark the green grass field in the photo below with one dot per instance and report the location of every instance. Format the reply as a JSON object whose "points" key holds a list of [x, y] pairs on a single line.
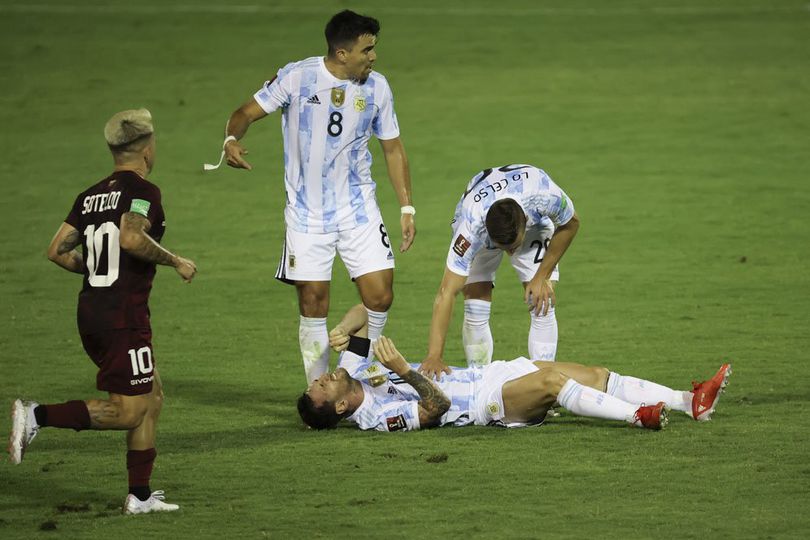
{"points": [[681, 132]]}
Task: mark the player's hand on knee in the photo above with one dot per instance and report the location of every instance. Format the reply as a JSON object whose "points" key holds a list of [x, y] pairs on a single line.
{"points": [[390, 357], [233, 156], [186, 268], [338, 339], [432, 368], [539, 296]]}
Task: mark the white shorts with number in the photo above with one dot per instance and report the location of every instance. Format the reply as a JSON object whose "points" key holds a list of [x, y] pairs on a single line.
{"points": [[526, 260], [309, 257]]}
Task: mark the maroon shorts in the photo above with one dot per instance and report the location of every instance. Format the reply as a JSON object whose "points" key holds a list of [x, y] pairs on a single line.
{"points": [[124, 359]]}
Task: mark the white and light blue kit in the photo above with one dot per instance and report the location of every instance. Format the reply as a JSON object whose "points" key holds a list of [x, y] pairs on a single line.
{"points": [[391, 404], [331, 204], [546, 206]]}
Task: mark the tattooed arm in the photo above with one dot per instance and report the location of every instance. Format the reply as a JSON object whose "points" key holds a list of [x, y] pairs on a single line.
{"points": [[433, 403], [62, 249], [135, 241]]}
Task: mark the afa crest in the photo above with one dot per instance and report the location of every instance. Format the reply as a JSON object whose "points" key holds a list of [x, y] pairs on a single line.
{"points": [[338, 96], [493, 408], [359, 103]]}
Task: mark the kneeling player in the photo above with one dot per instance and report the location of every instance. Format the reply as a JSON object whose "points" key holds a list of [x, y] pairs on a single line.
{"points": [[119, 222], [513, 394]]}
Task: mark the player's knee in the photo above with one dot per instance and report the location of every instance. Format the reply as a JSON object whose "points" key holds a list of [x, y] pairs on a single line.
{"points": [[131, 414], [156, 401], [478, 291], [381, 301], [314, 303], [551, 381]]}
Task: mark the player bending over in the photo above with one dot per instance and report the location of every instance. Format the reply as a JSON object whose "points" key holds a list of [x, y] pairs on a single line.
{"points": [[119, 222], [516, 393]]}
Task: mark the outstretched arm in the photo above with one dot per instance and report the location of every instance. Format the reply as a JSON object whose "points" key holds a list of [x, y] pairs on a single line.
{"points": [[237, 126], [433, 402], [433, 365], [397, 162], [62, 249], [135, 241]]}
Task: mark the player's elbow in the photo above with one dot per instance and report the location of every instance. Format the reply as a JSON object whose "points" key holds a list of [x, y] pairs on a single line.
{"points": [[52, 254], [128, 240]]}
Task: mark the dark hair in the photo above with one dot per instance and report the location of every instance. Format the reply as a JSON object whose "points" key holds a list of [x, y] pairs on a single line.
{"points": [[343, 29], [323, 417], [504, 220]]}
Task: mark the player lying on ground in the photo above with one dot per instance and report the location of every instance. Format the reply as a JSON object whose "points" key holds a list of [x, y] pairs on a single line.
{"points": [[119, 222], [513, 394]]}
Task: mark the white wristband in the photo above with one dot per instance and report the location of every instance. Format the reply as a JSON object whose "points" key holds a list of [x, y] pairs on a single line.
{"points": [[211, 166], [408, 210], [228, 139]]}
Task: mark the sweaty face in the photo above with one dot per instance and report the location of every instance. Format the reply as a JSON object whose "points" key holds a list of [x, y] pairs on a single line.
{"points": [[360, 58], [330, 387]]}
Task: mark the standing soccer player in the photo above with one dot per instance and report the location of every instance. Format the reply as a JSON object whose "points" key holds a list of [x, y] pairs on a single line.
{"points": [[119, 223], [330, 108], [520, 210]]}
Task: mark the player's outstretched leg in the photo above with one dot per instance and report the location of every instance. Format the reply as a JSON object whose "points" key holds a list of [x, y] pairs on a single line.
{"points": [[706, 394], [24, 428], [638, 391]]}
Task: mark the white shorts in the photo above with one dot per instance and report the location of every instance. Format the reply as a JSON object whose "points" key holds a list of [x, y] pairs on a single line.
{"points": [[309, 257], [525, 261], [489, 408]]}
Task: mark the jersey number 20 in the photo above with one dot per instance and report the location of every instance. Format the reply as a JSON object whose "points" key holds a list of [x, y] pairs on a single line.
{"points": [[103, 251]]}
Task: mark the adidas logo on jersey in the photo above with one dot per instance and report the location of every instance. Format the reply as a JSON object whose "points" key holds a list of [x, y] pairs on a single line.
{"points": [[314, 100]]}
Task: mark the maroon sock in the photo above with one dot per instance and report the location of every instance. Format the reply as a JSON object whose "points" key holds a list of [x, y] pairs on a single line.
{"points": [[139, 466], [72, 414]]}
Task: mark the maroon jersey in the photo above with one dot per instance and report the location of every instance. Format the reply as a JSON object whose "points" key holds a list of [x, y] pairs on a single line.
{"points": [[116, 284]]}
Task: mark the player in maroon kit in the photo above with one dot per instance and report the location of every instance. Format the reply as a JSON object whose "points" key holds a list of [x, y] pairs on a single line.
{"points": [[119, 223]]}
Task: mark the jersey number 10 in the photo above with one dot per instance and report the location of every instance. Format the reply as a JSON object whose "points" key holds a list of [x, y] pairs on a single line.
{"points": [[103, 252]]}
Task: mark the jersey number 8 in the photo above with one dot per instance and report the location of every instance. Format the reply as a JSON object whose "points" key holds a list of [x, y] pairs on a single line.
{"points": [[335, 127]]}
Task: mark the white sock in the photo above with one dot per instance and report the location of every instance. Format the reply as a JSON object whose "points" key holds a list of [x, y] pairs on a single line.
{"points": [[476, 335], [313, 339], [586, 401], [543, 336], [376, 323], [640, 391]]}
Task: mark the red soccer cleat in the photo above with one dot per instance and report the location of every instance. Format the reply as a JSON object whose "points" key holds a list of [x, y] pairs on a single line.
{"points": [[707, 393], [652, 416]]}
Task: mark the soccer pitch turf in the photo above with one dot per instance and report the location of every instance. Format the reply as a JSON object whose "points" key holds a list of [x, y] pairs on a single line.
{"points": [[680, 131]]}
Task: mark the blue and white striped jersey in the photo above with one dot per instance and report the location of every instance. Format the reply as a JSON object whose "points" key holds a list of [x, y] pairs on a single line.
{"points": [[326, 124], [541, 199], [393, 404]]}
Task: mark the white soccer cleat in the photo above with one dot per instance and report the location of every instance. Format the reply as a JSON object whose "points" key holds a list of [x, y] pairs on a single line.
{"points": [[133, 505], [24, 428]]}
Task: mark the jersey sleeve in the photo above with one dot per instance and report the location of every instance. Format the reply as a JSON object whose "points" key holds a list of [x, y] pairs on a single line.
{"points": [[556, 205], [275, 94], [385, 125], [466, 242], [146, 201], [399, 416], [72, 218]]}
